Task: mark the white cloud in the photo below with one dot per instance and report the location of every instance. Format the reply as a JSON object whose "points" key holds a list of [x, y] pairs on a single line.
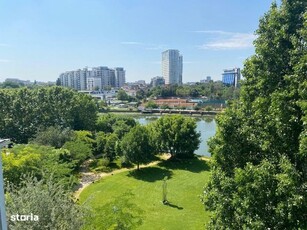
{"points": [[212, 32], [155, 47], [223, 40], [131, 43]]}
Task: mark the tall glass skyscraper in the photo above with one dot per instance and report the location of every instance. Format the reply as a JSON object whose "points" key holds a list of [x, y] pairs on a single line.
{"points": [[231, 77], [172, 67]]}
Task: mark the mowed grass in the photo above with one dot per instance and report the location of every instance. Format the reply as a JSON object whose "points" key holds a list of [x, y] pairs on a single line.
{"points": [[184, 186]]}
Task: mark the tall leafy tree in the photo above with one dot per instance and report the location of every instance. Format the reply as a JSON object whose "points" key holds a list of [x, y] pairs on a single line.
{"points": [[136, 146], [23, 111], [259, 152], [110, 123], [176, 135]]}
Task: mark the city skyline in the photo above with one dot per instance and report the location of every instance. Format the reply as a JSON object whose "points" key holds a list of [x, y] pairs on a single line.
{"points": [[38, 41]]}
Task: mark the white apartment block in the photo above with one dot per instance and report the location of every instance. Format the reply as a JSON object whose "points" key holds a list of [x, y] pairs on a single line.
{"points": [[94, 78], [172, 67], [94, 83]]}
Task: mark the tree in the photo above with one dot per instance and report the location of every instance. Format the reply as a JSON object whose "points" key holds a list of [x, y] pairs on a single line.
{"points": [[176, 135], [11, 84], [259, 150], [121, 128], [136, 146], [151, 105], [45, 199], [122, 95], [110, 123], [101, 141], [24, 111], [58, 82], [110, 148], [39, 161], [79, 151], [53, 136]]}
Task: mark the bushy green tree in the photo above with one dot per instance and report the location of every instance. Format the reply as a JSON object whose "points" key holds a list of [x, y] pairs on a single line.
{"points": [[109, 123], [136, 146], [79, 151], [53, 136], [176, 135], [46, 199], [110, 148], [39, 161], [151, 105], [122, 95], [101, 140], [24, 111], [259, 152], [121, 128]]}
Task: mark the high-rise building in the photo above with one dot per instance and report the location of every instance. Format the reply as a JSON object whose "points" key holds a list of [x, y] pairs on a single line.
{"points": [[156, 81], [94, 78], [119, 76], [231, 77], [207, 80], [94, 83], [172, 67]]}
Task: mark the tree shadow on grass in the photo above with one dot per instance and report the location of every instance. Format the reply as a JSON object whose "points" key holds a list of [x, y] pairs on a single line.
{"points": [[191, 164], [150, 174], [173, 205]]}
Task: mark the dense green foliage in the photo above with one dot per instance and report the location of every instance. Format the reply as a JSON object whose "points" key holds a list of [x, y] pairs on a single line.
{"points": [[53, 136], [151, 105], [23, 111], [80, 148], [211, 90], [175, 135], [122, 95], [136, 146], [110, 123], [46, 199], [110, 130], [39, 161], [260, 159]]}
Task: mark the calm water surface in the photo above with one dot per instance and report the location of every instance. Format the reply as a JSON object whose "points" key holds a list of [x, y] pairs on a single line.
{"points": [[205, 125]]}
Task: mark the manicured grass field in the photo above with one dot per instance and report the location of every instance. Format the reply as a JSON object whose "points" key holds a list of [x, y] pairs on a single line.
{"points": [[185, 184]]}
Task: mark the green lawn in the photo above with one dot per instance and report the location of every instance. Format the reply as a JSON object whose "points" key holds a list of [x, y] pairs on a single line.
{"points": [[185, 184]]}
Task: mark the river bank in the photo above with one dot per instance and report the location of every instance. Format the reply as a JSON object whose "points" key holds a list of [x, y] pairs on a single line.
{"points": [[164, 112]]}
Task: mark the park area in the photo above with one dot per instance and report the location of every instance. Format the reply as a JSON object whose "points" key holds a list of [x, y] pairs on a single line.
{"points": [[133, 199]]}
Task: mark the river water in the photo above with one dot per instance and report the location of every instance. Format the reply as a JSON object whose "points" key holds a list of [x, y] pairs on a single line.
{"points": [[205, 125]]}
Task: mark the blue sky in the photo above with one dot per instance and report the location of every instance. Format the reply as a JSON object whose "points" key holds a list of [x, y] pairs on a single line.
{"points": [[39, 39]]}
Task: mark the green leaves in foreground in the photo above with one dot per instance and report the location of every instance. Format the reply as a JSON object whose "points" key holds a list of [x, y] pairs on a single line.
{"points": [[262, 196], [48, 200], [259, 151]]}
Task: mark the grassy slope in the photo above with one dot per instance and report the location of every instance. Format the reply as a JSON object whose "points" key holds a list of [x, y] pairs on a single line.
{"points": [[184, 187]]}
